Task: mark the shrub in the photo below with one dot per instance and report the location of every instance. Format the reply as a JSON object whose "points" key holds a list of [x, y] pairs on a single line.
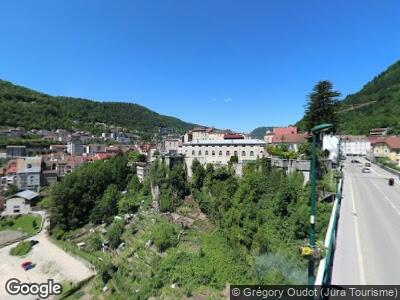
{"points": [[165, 236], [115, 232], [21, 249], [34, 224]]}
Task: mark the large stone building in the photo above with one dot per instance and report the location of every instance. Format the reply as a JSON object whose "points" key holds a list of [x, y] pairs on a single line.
{"points": [[219, 152], [171, 146], [204, 133]]}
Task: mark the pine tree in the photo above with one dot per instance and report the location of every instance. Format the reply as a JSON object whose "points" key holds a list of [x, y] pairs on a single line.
{"points": [[321, 106]]}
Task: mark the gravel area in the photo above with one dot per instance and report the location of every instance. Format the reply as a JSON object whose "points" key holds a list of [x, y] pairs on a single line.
{"points": [[51, 263]]}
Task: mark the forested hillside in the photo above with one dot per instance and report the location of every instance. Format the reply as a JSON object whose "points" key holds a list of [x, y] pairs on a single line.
{"points": [[21, 106], [376, 105], [259, 132]]}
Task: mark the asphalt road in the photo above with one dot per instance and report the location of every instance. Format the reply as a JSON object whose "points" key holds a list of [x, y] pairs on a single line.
{"points": [[368, 240]]}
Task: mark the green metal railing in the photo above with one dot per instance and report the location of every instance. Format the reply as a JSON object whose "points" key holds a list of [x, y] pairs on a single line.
{"points": [[324, 274]]}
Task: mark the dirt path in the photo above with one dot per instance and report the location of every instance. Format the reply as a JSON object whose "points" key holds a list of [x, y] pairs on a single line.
{"points": [[51, 263]]}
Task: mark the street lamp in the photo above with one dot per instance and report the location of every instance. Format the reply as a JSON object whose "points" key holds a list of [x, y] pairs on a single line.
{"points": [[313, 177]]}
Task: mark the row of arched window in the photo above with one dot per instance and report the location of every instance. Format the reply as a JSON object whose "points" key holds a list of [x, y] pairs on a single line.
{"points": [[235, 153]]}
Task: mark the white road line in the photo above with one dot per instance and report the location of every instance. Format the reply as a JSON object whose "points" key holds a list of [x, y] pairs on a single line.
{"points": [[386, 198], [357, 232], [383, 174]]}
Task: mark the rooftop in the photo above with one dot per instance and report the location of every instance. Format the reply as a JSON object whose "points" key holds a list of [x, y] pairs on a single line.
{"points": [[27, 194]]}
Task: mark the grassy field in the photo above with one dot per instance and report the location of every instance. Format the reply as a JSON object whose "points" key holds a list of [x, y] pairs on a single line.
{"points": [[28, 224]]}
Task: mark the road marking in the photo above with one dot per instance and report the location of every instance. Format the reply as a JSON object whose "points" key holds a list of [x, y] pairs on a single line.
{"points": [[380, 173], [358, 241], [386, 198]]}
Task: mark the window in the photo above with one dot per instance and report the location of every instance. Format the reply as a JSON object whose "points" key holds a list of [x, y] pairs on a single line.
{"points": [[199, 152], [29, 166], [228, 153], [235, 153], [251, 153], [220, 153], [213, 153], [193, 152], [243, 153], [206, 152]]}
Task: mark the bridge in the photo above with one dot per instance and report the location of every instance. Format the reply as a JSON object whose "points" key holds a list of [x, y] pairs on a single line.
{"points": [[365, 237]]}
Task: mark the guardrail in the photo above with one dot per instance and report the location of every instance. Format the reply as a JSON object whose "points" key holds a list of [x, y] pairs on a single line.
{"points": [[325, 266]]}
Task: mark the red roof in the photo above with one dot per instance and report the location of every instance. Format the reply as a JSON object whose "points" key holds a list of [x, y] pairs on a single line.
{"points": [[393, 142], [285, 130], [297, 138], [234, 136], [11, 167], [100, 156]]}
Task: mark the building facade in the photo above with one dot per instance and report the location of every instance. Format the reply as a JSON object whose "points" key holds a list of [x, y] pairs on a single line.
{"points": [[75, 148], [16, 206], [219, 152], [15, 151], [387, 147], [28, 173], [354, 145]]}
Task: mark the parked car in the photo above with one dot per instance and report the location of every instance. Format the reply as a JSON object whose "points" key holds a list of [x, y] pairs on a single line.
{"points": [[367, 164], [34, 242], [391, 181], [27, 265], [366, 170]]}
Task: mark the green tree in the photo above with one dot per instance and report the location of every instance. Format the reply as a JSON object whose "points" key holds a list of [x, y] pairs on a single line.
{"points": [[321, 105], [198, 174], [107, 206]]}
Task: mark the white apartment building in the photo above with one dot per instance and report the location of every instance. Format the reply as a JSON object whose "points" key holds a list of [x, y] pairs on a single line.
{"points": [[219, 152], [355, 145]]}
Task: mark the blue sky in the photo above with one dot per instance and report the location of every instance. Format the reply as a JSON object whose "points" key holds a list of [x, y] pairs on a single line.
{"points": [[228, 64]]}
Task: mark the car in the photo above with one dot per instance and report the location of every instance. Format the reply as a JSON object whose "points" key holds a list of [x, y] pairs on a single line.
{"points": [[367, 164], [27, 265], [34, 242], [366, 170]]}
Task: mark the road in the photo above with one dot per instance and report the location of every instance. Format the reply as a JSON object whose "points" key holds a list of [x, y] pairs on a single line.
{"points": [[368, 239]]}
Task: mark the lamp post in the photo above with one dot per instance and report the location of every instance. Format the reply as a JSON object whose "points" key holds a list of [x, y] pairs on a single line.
{"points": [[313, 178]]}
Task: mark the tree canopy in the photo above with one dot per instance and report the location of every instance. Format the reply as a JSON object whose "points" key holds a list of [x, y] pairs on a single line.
{"points": [[20, 106], [321, 106]]}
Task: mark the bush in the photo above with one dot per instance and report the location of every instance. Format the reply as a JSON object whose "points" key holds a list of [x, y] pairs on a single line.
{"points": [[115, 232], [94, 242], [21, 249], [165, 236], [34, 224]]}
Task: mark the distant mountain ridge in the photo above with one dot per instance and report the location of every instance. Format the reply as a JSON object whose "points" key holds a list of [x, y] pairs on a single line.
{"points": [[20, 106]]}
